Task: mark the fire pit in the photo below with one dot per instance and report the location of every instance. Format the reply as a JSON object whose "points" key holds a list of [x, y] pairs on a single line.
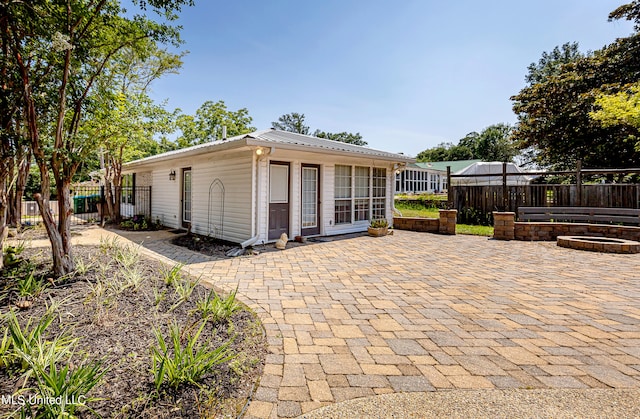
{"points": [[599, 244]]}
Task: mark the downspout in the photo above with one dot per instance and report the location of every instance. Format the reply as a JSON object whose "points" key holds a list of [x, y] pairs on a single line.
{"points": [[256, 210]]}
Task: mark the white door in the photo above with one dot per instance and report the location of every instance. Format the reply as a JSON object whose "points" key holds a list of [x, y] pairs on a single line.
{"points": [[310, 200], [278, 199], [186, 197]]}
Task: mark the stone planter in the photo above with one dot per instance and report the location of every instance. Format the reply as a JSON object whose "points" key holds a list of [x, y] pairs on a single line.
{"points": [[378, 231]]}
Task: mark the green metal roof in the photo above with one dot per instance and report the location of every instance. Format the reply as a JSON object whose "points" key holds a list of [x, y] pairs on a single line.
{"points": [[442, 165]]}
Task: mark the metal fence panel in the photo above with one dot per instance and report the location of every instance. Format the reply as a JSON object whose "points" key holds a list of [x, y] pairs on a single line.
{"points": [[88, 204]]}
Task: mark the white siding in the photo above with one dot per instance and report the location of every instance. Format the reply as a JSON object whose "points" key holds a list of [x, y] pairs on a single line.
{"points": [[262, 204], [165, 199], [327, 211], [234, 171], [246, 193]]}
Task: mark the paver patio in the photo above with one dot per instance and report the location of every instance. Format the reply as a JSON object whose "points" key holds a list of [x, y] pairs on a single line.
{"points": [[423, 312]]}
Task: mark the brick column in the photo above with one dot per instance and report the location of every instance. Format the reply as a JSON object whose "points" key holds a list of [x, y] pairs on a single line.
{"points": [[504, 225], [447, 221]]}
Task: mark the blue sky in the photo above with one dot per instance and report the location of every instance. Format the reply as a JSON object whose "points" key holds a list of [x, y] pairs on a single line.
{"points": [[406, 74]]}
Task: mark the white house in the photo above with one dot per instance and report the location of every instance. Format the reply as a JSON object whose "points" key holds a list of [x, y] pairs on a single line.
{"points": [[418, 178], [428, 177], [252, 188]]}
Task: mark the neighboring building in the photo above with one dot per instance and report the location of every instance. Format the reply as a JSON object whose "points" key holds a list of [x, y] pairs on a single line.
{"points": [[425, 177], [492, 175], [252, 188]]}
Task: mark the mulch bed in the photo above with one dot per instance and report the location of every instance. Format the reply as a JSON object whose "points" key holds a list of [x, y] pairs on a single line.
{"points": [[218, 248], [119, 330]]}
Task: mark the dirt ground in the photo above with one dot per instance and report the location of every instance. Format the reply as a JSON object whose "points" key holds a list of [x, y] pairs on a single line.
{"points": [[115, 323]]}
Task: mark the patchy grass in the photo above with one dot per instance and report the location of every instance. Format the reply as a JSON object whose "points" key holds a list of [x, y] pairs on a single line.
{"points": [[416, 209], [474, 230]]}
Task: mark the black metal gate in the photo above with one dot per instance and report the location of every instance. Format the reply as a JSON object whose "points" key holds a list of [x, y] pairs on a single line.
{"points": [[89, 205]]}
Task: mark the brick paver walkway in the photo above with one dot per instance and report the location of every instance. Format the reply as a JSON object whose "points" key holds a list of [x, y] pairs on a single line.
{"points": [[424, 312]]}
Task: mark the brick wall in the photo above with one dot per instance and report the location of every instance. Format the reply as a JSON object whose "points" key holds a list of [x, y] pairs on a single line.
{"points": [[505, 228], [445, 224], [448, 221], [428, 225], [551, 231], [503, 225]]}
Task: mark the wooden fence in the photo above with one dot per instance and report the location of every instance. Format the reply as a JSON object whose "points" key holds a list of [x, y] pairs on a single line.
{"points": [[475, 204], [491, 198]]}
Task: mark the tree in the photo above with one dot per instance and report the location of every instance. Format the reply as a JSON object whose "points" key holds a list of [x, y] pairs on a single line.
{"points": [[15, 156], [58, 51], [629, 11], [291, 122], [622, 108], [206, 125], [445, 152], [125, 120], [550, 64], [494, 144], [553, 115], [343, 137]]}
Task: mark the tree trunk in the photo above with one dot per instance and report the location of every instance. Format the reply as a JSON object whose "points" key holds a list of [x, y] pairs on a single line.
{"points": [[15, 210], [62, 262], [4, 229], [64, 216], [108, 197]]}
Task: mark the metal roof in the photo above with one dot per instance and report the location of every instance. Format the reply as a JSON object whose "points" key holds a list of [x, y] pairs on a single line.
{"points": [[442, 165], [290, 138], [278, 139]]}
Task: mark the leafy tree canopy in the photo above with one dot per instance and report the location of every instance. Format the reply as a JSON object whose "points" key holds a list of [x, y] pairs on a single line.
{"points": [[57, 51], [206, 125], [554, 113], [291, 122], [550, 64], [343, 137], [492, 144], [620, 109], [294, 122]]}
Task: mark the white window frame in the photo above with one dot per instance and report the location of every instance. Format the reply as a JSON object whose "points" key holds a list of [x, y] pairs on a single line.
{"points": [[376, 198]]}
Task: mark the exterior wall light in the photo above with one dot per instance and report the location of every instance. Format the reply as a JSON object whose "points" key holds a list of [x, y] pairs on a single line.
{"points": [[172, 175], [259, 151]]}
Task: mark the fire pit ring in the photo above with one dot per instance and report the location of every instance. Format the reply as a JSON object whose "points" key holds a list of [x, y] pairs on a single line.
{"points": [[599, 244]]}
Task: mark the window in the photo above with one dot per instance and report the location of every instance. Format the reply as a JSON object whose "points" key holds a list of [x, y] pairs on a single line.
{"points": [[360, 193], [128, 185], [379, 192], [343, 194]]}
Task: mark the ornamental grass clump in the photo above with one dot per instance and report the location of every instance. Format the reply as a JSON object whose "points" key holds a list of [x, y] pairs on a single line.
{"points": [[215, 309], [175, 364]]}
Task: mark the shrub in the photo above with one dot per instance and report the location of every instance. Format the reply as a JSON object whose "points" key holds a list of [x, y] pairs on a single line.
{"points": [[475, 217], [139, 222]]}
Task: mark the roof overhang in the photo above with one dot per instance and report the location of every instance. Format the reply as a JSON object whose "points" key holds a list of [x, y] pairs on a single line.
{"points": [[249, 141]]}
